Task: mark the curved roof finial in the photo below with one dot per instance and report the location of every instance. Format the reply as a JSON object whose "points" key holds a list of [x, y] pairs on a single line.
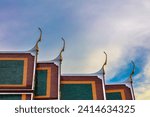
{"points": [[59, 58], [130, 80], [35, 49], [105, 63], [63, 49], [102, 70], [133, 70], [39, 40]]}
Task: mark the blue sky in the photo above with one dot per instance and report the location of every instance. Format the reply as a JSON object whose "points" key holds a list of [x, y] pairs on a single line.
{"points": [[120, 28]]}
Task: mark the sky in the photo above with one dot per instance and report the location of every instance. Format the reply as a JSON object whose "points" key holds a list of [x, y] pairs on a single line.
{"points": [[121, 28]]}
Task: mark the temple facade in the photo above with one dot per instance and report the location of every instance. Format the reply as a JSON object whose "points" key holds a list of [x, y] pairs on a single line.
{"points": [[22, 77]]}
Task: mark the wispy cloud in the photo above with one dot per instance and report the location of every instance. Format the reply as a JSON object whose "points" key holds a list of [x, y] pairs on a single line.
{"points": [[122, 30]]}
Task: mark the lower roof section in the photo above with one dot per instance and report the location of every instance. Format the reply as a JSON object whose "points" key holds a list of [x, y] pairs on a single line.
{"points": [[81, 88], [118, 92], [17, 71], [46, 82], [16, 96]]}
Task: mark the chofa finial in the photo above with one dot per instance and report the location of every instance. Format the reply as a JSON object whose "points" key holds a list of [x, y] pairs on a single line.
{"points": [[133, 70], [105, 63], [62, 50], [59, 58], [39, 40], [130, 80], [102, 70], [35, 49]]}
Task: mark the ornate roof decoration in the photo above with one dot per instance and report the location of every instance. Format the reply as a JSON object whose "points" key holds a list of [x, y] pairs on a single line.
{"points": [[35, 49], [130, 80], [62, 50], [102, 70], [133, 70], [59, 58]]}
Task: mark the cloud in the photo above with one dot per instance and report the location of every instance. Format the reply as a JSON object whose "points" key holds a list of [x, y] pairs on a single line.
{"points": [[142, 82], [123, 32], [142, 92], [121, 28]]}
